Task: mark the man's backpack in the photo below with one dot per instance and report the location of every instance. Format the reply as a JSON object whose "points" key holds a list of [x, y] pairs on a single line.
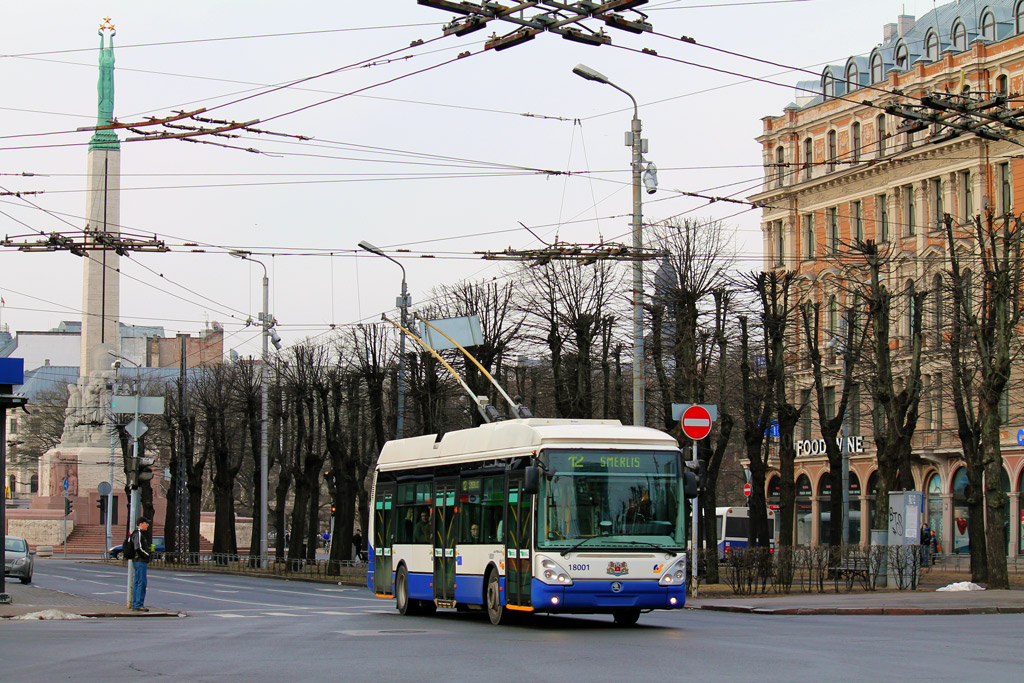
{"points": [[128, 548]]}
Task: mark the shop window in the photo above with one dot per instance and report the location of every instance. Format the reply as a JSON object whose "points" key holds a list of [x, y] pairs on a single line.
{"points": [[824, 507], [803, 510], [961, 516], [933, 504]]}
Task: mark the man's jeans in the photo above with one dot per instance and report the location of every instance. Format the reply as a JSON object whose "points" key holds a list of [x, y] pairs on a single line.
{"points": [[139, 585]]}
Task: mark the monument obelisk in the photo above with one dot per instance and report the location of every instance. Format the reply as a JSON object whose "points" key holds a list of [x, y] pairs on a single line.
{"points": [[82, 458]]}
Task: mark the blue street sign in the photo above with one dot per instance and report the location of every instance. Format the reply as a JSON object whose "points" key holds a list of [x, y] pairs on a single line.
{"points": [[1020, 437], [773, 430], [65, 483]]}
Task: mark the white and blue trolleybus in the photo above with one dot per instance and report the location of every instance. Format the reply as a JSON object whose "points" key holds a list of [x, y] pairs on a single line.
{"points": [[532, 515]]}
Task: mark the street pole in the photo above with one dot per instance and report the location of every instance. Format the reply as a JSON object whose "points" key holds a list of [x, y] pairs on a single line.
{"points": [[403, 304], [845, 450], [133, 508], [635, 142], [264, 381], [110, 495], [695, 505]]}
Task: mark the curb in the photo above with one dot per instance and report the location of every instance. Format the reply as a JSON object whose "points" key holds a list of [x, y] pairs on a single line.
{"points": [[106, 615], [860, 611]]}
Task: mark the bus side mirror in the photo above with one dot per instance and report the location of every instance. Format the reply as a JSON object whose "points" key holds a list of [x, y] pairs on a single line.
{"points": [[531, 482], [689, 485]]}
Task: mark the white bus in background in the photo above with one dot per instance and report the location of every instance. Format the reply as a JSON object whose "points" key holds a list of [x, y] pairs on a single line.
{"points": [[733, 525], [532, 515]]}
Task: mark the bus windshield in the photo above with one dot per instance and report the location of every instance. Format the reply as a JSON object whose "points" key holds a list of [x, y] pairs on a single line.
{"points": [[611, 499]]}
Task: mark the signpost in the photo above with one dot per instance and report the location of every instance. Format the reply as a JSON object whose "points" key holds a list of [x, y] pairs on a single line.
{"points": [[746, 490], [696, 422]]}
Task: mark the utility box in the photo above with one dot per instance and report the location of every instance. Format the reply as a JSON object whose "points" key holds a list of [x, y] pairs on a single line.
{"points": [[904, 531]]}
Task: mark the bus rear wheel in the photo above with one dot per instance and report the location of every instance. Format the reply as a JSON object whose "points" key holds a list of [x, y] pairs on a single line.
{"points": [[626, 617], [406, 606], [496, 612]]}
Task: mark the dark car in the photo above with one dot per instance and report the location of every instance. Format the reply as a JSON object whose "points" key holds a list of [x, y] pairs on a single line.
{"points": [[157, 548], [19, 560]]}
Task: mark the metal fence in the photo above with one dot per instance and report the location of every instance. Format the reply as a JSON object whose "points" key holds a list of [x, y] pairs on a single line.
{"points": [[346, 571]]}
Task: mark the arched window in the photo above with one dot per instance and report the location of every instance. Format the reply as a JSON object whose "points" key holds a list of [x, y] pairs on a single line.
{"points": [[33, 484], [852, 77], [931, 46], [872, 492], [803, 509], [855, 141], [808, 158], [988, 26], [1018, 25], [1001, 85], [959, 36], [832, 150], [961, 516], [902, 57], [881, 133], [828, 85], [824, 513], [933, 504], [877, 68], [780, 166]]}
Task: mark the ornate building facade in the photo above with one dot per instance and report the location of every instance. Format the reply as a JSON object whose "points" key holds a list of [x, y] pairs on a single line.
{"points": [[841, 168]]}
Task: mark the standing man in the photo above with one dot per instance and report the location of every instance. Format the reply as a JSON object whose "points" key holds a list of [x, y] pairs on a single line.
{"points": [[140, 562], [926, 543], [357, 541]]}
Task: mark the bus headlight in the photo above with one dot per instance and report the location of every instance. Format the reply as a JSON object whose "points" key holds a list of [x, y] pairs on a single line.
{"points": [[675, 575], [552, 573]]}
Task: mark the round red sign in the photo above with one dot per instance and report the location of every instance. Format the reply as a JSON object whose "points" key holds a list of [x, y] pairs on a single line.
{"points": [[696, 422], [746, 490]]}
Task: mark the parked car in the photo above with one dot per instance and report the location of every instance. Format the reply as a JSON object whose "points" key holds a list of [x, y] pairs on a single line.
{"points": [[157, 548], [19, 559]]}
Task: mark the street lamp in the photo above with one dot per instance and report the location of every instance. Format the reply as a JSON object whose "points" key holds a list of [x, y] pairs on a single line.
{"points": [[638, 146], [403, 304], [133, 498], [267, 322]]}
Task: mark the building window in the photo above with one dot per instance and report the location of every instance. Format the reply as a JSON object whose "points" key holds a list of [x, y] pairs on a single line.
{"points": [[937, 310], [931, 46], [853, 408], [830, 402], [12, 426], [833, 229], [809, 234], [808, 158], [911, 309], [877, 68], [833, 316], [805, 414], [1004, 406], [1005, 200], [881, 133], [852, 77], [937, 400], [780, 166], [959, 36], [857, 213], [883, 218], [937, 207], [855, 142], [1018, 25], [988, 26], [966, 196], [967, 281], [832, 153], [909, 217], [780, 245], [1001, 86], [902, 57], [828, 85], [33, 484]]}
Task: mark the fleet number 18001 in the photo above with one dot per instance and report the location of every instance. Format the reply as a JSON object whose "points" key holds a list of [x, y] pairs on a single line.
{"points": [[579, 567]]}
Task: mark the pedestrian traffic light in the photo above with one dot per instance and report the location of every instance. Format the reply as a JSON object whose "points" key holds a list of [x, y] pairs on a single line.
{"points": [[67, 506]]}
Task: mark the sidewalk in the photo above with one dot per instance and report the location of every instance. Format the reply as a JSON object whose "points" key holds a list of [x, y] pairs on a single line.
{"points": [[885, 602], [30, 599]]}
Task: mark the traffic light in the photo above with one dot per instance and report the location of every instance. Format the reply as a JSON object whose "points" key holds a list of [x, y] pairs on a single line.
{"points": [[68, 505], [145, 472], [334, 509]]}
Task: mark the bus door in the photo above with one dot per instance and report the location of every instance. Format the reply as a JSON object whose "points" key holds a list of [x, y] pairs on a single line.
{"points": [[518, 567], [446, 530], [383, 538]]}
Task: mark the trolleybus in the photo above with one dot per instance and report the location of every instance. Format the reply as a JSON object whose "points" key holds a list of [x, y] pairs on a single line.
{"points": [[532, 515]]}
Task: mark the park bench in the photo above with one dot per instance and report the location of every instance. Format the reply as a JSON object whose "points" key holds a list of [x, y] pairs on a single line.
{"points": [[852, 567]]}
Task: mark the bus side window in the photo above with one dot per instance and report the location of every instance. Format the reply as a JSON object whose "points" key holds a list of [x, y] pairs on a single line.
{"points": [[405, 512], [470, 509], [493, 508]]}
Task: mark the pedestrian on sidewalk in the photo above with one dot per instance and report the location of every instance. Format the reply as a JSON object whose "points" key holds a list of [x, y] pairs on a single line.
{"points": [[926, 543], [357, 541], [140, 562]]}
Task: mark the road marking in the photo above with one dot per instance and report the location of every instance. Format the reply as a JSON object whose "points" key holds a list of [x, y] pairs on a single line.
{"points": [[109, 593], [222, 615], [394, 632], [337, 614], [221, 590], [281, 614]]}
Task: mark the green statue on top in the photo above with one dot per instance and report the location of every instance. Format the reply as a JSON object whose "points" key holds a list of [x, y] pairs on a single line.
{"points": [[105, 139]]}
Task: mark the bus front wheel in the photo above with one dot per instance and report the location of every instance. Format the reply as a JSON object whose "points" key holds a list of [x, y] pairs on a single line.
{"points": [[406, 607], [496, 612], [627, 617]]}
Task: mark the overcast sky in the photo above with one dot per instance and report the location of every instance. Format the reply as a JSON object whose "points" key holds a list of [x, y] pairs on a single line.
{"points": [[443, 163]]}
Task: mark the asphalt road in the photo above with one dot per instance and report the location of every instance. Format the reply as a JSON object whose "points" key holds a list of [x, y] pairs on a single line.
{"points": [[262, 629]]}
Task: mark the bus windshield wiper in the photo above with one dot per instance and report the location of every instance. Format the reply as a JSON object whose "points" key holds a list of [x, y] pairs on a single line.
{"points": [[652, 545], [566, 552]]}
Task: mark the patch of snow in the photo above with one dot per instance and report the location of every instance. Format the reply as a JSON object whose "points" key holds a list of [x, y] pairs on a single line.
{"points": [[960, 586], [50, 614]]}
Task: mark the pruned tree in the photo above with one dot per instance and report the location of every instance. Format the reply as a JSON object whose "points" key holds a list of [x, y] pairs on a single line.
{"points": [[990, 329]]}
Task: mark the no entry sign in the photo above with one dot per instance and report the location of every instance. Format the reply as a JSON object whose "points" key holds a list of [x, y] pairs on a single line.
{"points": [[746, 490], [696, 422]]}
